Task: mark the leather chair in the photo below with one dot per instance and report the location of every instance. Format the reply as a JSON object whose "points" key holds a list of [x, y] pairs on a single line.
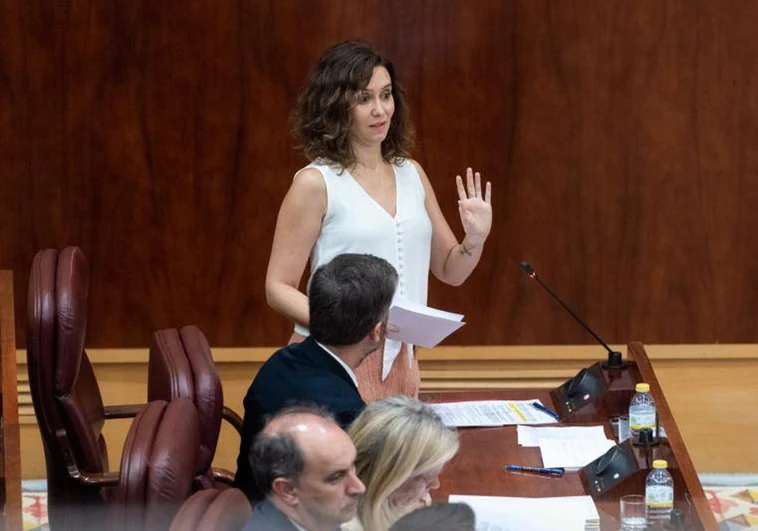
{"points": [[65, 394], [213, 510], [157, 467], [181, 365]]}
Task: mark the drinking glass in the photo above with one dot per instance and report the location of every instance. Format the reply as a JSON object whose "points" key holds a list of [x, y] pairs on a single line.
{"points": [[633, 513]]}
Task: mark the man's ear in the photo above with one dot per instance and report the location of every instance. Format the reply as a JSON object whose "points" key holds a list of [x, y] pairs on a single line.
{"points": [[376, 334], [285, 489]]}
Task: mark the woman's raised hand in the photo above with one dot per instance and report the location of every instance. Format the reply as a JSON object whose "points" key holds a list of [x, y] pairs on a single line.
{"points": [[474, 207]]}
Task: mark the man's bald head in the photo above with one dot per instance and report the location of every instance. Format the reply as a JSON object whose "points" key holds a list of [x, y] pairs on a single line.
{"points": [[305, 464], [298, 421], [280, 449]]}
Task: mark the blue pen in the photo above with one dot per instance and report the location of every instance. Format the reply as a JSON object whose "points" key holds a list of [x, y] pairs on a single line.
{"points": [[536, 470], [545, 410]]}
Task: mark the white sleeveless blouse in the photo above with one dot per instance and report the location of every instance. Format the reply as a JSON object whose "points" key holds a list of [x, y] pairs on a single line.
{"points": [[355, 223]]}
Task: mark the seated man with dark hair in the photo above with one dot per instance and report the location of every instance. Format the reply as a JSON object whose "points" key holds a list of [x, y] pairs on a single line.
{"points": [[303, 463], [348, 300]]}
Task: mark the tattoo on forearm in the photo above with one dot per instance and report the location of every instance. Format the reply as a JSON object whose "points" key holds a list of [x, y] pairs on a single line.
{"points": [[465, 250]]}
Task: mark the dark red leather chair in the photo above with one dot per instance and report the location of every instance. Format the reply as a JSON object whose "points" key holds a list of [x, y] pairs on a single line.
{"points": [[181, 365], [213, 510], [67, 400], [157, 467]]}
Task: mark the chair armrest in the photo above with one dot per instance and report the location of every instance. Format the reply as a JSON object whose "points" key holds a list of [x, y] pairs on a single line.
{"points": [[122, 412], [223, 476], [232, 418], [98, 479]]}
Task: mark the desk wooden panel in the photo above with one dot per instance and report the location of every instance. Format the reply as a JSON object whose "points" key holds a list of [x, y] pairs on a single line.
{"points": [[10, 451], [478, 467]]}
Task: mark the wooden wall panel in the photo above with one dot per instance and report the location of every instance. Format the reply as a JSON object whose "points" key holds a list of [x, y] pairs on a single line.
{"points": [[620, 137]]}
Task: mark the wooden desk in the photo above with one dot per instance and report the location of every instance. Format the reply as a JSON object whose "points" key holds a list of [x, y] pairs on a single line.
{"points": [[478, 467], [10, 450]]}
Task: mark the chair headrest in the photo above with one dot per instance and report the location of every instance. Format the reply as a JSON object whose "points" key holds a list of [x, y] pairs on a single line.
{"points": [[209, 394], [71, 290], [169, 374], [213, 510], [40, 338], [181, 364], [157, 465]]}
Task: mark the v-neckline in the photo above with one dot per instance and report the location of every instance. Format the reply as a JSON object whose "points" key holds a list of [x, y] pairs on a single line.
{"points": [[373, 199]]}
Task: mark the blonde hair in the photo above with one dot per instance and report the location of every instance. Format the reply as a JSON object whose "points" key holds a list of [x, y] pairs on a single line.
{"points": [[396, 438]]}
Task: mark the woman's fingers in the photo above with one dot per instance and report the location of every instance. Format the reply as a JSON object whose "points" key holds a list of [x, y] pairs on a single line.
{"points": [[461, 190]]}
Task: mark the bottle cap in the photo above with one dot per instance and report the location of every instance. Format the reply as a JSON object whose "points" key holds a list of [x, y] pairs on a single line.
{"points": [[660, 463], [642, 388]]}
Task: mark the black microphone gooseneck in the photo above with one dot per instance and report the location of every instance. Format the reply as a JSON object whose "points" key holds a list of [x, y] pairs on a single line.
{"points": [[615, 360]]}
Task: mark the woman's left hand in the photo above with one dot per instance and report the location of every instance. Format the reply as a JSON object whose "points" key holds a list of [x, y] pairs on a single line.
{"points": [[474, 208]]}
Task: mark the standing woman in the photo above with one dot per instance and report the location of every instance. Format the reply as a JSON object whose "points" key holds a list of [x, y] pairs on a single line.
{"points": [[363, 194]]}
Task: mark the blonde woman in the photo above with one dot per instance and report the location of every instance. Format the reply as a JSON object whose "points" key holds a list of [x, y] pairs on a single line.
{"points": [[402, 446]]}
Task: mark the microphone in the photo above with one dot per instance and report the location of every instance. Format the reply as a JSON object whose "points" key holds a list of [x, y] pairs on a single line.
{"points": [[615, 360]]}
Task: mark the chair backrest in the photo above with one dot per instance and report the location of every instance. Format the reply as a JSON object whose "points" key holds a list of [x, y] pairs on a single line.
{"points": [[65, 394], [181, 365], [213, 510], [157, 467]]}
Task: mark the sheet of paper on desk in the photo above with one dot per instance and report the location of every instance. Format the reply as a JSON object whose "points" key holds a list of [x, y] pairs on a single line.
{"points": [[574, 453], [495, 513], [529, 435], [491, 413], [420, 325]]}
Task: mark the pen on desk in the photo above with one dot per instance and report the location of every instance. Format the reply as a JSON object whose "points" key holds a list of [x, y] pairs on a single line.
{"points": [[537, 405], [536, 470]]}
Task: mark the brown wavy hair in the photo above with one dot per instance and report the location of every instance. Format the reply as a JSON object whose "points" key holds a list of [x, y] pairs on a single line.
{"points": [[321, 121]]}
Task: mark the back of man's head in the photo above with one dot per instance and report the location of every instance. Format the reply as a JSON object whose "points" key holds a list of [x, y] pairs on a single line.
{"points": [[440, 517], [348, 296]]}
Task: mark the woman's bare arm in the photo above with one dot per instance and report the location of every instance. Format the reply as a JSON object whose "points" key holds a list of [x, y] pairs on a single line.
{"points": [[297, 228]]}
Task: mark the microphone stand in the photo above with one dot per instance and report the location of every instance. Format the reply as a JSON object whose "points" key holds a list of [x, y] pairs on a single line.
{"points": [[615, 360]]}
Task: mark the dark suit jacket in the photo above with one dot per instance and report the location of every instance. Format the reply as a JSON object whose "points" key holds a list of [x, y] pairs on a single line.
{"points": [[301, 373], [266, 517]]}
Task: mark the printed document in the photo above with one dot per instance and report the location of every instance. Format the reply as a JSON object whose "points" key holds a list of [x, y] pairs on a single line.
{"points": [[491, 413], [494, 513]]}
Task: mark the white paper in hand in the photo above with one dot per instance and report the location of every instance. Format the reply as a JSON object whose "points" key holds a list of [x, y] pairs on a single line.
{"points": [[420, 325]]}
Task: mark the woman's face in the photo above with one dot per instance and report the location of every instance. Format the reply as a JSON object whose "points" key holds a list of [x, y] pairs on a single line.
{"points": [[416, 489], [372, 109]]}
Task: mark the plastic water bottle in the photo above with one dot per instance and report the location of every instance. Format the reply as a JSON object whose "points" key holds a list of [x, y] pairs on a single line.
{"points": [[641, 411], [659, 493]]}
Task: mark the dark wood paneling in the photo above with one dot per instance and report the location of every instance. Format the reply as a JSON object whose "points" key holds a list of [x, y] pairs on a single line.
{"points": [[10, 442], [620, 137]]}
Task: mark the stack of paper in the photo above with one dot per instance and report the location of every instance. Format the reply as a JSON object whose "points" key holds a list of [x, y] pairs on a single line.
{"points": [[530, 436], [491, 413], [572, 454], [417, 324], [569, 447], [494, 513]]}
